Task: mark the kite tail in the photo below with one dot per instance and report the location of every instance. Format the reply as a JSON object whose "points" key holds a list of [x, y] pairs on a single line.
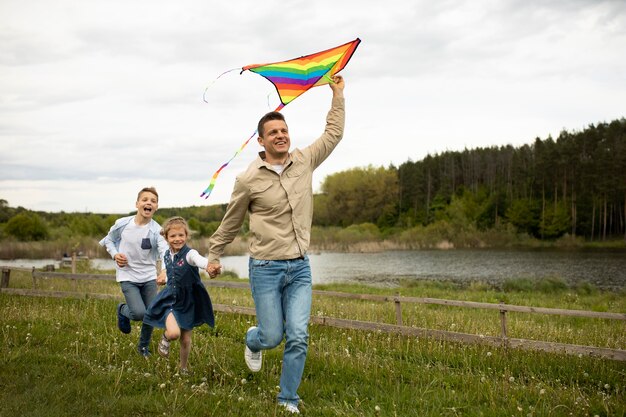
{"points": [[206, 193], [213, 82]]}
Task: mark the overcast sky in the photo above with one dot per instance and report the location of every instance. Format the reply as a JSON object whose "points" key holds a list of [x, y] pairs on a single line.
{"points": [[101, 98]]}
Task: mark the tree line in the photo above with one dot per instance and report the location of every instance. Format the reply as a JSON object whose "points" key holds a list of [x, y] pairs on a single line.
{"points": [[572, 185]]}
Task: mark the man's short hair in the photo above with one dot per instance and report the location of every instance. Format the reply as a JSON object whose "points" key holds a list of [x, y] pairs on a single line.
{"points": [[273, 115]]}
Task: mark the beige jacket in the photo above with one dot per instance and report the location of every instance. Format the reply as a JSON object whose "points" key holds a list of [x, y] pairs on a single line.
{"points": [[280, 206]]}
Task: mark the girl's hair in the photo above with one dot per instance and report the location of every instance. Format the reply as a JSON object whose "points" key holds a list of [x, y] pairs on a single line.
{"points": [[173, 222]]}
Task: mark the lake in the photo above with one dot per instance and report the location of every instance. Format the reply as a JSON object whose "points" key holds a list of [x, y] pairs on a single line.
{"points": [[602, 268]]}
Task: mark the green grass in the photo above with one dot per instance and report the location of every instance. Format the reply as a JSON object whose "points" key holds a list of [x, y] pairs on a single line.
{"points": [[65, 357]]}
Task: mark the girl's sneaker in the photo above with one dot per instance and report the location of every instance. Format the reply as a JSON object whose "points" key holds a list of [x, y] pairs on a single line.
{"points": [[164, 346]]}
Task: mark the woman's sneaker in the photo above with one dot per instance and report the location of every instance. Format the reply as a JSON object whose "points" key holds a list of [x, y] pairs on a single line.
{"points": [[123, 322], [164, 346]]}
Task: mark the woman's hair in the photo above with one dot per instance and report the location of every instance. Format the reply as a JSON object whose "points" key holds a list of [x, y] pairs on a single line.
{"points": [[173, 222]]}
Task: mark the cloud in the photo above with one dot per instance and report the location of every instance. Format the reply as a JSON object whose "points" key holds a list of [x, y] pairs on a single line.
{"points": [[101, 98]]}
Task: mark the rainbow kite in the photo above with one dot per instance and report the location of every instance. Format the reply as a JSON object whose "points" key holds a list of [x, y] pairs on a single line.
{"points": [[293, 78]]}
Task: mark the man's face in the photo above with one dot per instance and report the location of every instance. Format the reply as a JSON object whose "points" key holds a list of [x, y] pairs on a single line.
{"points": [[147, 204], [276, 139]]}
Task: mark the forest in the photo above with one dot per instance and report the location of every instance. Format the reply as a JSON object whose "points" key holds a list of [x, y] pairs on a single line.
{"points": [[574, 185]]}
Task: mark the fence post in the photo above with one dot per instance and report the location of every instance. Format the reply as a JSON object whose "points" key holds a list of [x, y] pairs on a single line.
{"points": [[73, 262], [503, 323], [398, 309], [34, 279], [6, 274]]}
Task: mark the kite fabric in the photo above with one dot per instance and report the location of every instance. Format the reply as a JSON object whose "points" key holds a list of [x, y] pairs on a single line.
{"points": [[293, 78]]}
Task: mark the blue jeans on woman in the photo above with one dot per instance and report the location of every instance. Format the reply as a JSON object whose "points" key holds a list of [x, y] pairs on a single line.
{"points": [[282, 297], [138, 298]]}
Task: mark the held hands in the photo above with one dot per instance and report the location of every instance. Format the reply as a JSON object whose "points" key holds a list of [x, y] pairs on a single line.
{"points": [[120, 259], [214, 270], [161, 279]]}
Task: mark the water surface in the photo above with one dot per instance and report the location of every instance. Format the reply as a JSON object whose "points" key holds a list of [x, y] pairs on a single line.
{"points": [[602, 268]]}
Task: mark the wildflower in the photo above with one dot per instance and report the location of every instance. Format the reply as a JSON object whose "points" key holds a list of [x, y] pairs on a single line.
{"points": [[542, 391], [162, 386], [349, 339], [147, 375], [377, 409], [488, 353], [240, 399], [483, 379], [607, 386], [243, 381], [511, 379]]}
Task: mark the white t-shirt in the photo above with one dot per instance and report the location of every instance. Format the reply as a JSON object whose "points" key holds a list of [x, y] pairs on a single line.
{"points": [[141, 267]]}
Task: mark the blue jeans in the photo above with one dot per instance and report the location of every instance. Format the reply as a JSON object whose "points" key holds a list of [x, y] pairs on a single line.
{"points": [[282, 297], [138, 298]]}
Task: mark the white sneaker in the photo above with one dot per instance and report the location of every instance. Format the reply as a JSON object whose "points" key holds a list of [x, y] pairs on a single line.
{"points": [[293, 409], [254, 360]]}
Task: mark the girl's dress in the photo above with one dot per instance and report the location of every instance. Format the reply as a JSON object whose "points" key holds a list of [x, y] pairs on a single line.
{"points": [[184, 295]]}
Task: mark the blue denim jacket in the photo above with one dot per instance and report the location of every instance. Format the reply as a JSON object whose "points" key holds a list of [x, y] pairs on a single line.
{"points": [[112, 241]]}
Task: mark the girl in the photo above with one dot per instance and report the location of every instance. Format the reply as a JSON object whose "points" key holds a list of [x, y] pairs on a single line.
{"points": [[185, 302]]}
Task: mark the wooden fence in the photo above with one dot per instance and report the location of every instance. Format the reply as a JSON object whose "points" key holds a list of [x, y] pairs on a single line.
{"points": [[503, 340]]}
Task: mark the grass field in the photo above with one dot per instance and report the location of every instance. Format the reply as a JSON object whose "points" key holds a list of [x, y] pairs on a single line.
{"points": [[62, 357]]}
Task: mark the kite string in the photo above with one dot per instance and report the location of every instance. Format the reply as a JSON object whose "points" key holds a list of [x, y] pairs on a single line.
{"points": [[213, 82]]}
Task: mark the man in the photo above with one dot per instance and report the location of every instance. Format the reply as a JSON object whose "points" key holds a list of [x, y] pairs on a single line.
{"points": [[276, 190]]}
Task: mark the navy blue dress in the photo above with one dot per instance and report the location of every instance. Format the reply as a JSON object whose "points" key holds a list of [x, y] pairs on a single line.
{"points": [[184, 295]]}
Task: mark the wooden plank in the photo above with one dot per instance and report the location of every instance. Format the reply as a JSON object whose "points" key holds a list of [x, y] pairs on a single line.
{"points": [[374, 297], [615, 354], [67, 275], [16, 268], [474, 304], [58, 294]]}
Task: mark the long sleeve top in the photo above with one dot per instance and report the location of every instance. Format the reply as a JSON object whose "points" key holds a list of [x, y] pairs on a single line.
{"points": [[280, 205]]}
